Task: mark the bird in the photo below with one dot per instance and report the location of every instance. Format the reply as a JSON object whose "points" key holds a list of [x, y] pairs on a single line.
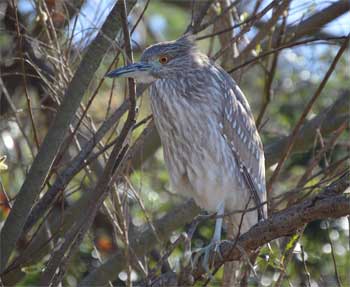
{"points": [[212, 148]]}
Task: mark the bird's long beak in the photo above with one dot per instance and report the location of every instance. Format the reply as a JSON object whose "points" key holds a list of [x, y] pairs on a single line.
{"points": [[136, 70]]}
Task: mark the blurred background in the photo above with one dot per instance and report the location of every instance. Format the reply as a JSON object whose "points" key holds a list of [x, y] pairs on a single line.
{"points": [[278, 68]]}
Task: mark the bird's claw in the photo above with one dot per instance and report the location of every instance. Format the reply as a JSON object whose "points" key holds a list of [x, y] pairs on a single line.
{"points": [[213, 246]]}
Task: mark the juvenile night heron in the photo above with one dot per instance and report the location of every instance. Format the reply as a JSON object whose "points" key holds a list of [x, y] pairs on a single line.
{"points": [[212, 148]]}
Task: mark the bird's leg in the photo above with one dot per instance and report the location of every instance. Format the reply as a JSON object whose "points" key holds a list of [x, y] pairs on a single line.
{"points": [[218, 223], [215, 240]]}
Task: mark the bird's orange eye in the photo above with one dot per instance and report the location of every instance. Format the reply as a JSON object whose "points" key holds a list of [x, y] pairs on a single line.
{"points": [[163, 60]]}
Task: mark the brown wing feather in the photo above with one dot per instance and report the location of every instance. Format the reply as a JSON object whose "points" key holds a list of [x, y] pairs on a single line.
{"points": [[241, 133]]}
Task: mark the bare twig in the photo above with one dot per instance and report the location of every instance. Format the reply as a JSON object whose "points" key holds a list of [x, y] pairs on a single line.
{"points": [[29, 104], [263, 32], [248, 22], [337, 276], [287, 45], [15, 113], [319, 155], [306, 271]]}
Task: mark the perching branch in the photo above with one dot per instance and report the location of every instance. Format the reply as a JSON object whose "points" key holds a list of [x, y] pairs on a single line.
{"points": [[330, 203]]}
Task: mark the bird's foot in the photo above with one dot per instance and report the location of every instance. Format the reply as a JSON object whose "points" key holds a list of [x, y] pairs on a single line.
{"points": [[206, 251], [186, 260]]}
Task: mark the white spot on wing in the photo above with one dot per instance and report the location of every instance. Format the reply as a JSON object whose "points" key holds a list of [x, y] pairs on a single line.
{"points": [[234, 124], [259, 186]]}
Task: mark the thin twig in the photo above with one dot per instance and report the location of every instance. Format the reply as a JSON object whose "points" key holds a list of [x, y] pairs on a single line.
{"points": [[307, 273], [248, 22], [319, 155], [29, 104], [287, 45], [213, 20], [337, 276], [15, 113]]}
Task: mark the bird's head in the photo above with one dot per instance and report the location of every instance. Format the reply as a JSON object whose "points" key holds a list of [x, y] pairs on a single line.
{"points": [[162, 60]]}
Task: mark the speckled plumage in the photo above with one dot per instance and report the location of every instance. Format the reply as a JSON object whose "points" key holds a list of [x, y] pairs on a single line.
{"points": [[211, 146]]}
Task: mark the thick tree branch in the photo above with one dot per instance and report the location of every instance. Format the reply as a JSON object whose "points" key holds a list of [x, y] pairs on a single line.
{"points": [[318, 20], [331, 203]]}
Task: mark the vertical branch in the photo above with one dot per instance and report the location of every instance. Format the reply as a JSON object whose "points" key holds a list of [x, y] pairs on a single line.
{"points": [[5, 92], [306, 271], [290, 243], [200, 9], [264, 31], [131, 116], [271, 73], [29, 104], [246, 28], [226, 21], [337, 276]]}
